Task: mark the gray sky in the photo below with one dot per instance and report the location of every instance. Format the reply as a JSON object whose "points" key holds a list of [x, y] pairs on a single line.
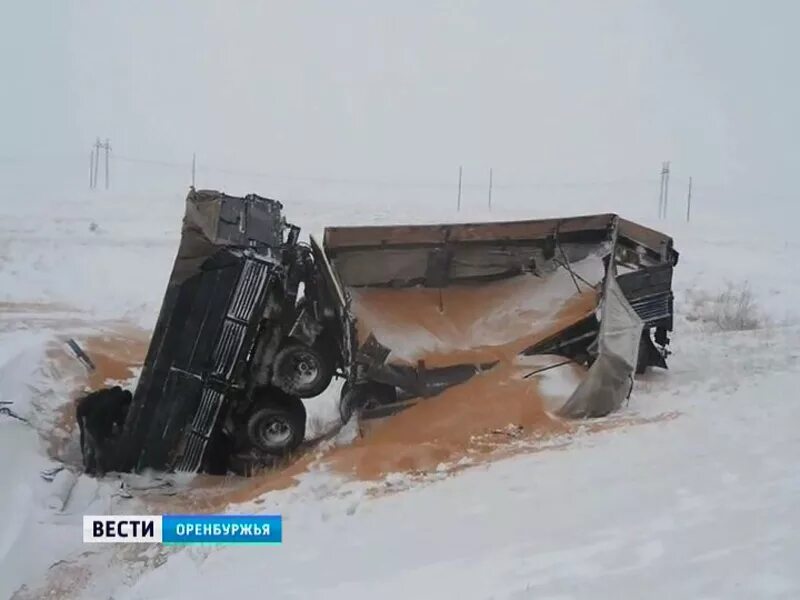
{"points": [[561, 90]]}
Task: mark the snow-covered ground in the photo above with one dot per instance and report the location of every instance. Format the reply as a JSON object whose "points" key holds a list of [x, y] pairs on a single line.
{"points": [[691, 491]]}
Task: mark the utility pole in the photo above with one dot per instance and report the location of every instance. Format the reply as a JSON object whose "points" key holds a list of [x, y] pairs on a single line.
{"points": [[97, 147], [194, 167], [689, 202], [663, 194], [458, 206], [94, 162], [91, 169], [107, 147], [490, 189]]}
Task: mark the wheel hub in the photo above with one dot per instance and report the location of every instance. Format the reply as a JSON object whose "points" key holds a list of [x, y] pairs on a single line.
{"points": [[306, 370], [274, 432]]}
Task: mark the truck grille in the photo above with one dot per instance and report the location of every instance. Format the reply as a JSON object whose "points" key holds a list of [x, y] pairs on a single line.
{"points": [[189, 461], [200, 431], [653, 308], [227, 348], [247, 297], [248, 290], [245, 300], [206, 415]]}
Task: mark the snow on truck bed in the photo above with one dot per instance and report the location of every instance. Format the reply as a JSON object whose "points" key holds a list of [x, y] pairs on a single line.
{"points": [[689, 491]]}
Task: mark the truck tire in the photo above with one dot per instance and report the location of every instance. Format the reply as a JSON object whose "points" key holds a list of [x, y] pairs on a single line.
{"points": [[302, 371], [276, 425]]}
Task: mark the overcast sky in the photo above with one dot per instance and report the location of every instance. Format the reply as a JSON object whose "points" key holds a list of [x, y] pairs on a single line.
{"points": [[561, 90]]}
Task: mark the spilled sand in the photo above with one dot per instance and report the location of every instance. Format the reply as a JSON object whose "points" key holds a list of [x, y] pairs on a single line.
{"points": [[116, 347], [469, 324], [117, 353], [485, 418], [496, 413], [468, 420]]}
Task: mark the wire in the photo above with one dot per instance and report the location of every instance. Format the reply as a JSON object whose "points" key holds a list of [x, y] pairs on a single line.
{"points": [[561, 364], [380, 182]]}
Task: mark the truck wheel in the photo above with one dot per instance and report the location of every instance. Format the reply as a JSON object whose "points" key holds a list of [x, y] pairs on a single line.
{"points": [[277, 427], [302, 371]]}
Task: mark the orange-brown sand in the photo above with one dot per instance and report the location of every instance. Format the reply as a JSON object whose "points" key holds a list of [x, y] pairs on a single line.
{"points": [[466, 420], [465, 324], [456, 423], [472, 420], [476, 419], [31, 308], [116, 353]]}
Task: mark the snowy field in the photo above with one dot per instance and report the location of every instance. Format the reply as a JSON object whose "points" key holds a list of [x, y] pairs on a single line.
{"points": [[691, 491]]}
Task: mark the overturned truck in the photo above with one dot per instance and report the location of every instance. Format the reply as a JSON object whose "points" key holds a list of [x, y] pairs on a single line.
{"points": [[254, 321]]}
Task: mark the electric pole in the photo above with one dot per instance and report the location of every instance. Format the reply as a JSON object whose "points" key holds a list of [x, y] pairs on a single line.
{"points": [[490, 189], [458, 205], [107, 148], [663, 195], [94, 162], [689, 202]]}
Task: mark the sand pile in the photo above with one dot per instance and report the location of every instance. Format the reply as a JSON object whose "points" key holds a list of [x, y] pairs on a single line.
{"points": [[117, 353], [477, 420], [490, 322], [470, 420], [469, 323]]}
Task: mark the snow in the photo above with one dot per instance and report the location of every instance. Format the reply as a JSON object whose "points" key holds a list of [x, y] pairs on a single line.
{"points": [[557, 381], [697, 505], [690, 491]]}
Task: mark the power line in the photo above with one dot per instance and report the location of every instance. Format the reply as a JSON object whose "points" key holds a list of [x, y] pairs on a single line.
{"points": [[380, 182], [150, 161]]}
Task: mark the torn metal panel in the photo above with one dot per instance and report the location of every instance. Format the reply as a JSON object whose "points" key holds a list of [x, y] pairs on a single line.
{"points": [[610, 378]]}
